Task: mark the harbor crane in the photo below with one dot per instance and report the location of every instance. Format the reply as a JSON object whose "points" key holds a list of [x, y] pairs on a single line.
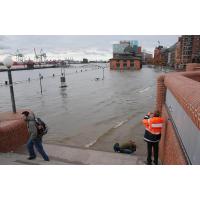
{"points": [[19, 56], [40, 57]]}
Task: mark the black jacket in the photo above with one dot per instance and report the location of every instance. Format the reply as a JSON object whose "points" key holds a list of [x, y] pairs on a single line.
{"points": [[149, 137]]}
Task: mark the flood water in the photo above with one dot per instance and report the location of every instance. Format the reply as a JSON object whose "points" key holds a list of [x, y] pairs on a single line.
{"points": [[87, 113]]}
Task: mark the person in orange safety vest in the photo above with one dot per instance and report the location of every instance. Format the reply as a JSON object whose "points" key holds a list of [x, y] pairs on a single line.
{"points": [[153, 125]]}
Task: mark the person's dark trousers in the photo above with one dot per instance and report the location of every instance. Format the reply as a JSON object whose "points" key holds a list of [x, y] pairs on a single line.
{"points": [[155, 147], [127, 151], [38, 145]]}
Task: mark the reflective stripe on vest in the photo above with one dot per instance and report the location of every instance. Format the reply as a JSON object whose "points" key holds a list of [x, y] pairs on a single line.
{"points": [[156, 125]]}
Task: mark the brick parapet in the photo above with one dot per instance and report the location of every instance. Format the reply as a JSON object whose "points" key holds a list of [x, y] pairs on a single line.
{"points": [[13, 131], [193, 67], [170, 151], [186, 90], [185, 87], [161, 93]]}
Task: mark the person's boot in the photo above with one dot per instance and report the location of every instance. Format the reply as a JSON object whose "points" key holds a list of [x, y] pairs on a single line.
{"points": [[155, 162], [31, 158], [148, 163]]}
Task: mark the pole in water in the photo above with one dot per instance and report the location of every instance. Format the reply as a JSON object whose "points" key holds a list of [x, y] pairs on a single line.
{"points": [[40, 77], [103, 74]]}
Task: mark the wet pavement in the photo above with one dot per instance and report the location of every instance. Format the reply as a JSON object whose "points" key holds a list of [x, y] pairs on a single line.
{"points": [[65, 155]]}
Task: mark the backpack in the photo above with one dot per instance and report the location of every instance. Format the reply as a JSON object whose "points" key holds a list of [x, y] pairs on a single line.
{"points": [[44, 130]]}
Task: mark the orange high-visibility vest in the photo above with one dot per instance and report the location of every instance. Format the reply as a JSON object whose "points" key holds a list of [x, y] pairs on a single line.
{"points": [[145, 120], [146, 123], [155, 125]]}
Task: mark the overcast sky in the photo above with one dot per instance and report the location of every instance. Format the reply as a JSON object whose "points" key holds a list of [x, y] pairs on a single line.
{"points": [[93, 47]]}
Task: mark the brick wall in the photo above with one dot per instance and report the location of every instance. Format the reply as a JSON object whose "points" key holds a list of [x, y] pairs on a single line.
{"points": [[170, 151], [137, 64], [13, 133], [193, 67], [185, 87]]}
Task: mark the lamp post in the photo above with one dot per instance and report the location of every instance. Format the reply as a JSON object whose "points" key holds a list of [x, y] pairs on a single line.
{"points": [[8, 63]]}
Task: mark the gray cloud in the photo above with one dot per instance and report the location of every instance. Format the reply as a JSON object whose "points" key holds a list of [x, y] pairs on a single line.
{"points": [[92, 46]]}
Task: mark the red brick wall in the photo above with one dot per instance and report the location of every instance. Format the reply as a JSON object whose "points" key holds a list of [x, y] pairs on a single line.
{"points": [[13, 134], [113, 64], [170, 151], [128, 64], [137, 64], [121, 64], [193, 67], [185, 87]]}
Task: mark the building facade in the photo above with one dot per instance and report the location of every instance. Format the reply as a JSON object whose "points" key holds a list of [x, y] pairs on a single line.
{"points": [[147, 58], [126, 55], [157, 55], [196, 49], [186, 50]]}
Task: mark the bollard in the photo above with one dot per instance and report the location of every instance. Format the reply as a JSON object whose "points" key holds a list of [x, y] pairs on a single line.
{"points": [[6, 82]]}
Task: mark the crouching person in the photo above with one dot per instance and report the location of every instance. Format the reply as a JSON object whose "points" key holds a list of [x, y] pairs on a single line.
{"points": [[35, 139], [128, 148]]}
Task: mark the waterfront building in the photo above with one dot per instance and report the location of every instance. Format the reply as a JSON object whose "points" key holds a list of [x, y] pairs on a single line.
{"points": [[147, 58], [178, 53], [157, 55], [126, 55], [196, 48], [188, 50], [171, 55], [85, 60], [185, 50]]}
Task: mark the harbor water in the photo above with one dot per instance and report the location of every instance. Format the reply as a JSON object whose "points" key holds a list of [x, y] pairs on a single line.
{"points": [[89, 112]]}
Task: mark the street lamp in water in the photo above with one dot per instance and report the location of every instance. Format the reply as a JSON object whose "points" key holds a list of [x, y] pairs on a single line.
{"points": [[8, 63]]}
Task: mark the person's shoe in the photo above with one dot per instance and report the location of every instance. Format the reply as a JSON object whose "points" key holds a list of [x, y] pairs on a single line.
{"points": [[155, 163], [31, 158], [47, 159], [148, 163]]}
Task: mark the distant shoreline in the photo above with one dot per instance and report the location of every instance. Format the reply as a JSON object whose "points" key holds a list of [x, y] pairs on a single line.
{"points": [[20, 69], [42, 67]]}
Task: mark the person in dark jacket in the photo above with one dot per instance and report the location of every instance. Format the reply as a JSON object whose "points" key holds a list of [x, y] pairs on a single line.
{"points": [[128, 148], [34, 138]]}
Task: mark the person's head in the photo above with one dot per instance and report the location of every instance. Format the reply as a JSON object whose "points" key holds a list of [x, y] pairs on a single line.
{"points": [[156, 113], [25, 113], [131, 141]]}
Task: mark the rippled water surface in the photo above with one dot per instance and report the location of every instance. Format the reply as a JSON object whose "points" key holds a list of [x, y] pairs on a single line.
{"points": [[87, 110]]}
